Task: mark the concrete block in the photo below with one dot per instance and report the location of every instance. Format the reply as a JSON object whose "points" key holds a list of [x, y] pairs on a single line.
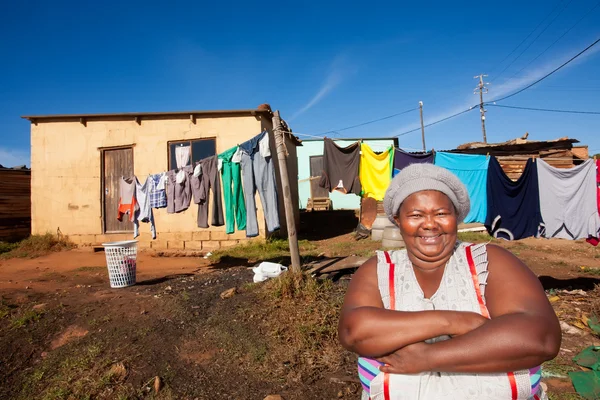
{"points": [[114, 237], [201, 235], [193, 245], [84, 239], [178, 236], [219, 235], [238, 235], [229, 243], [158, 244], [210, 245], [175, 244]]}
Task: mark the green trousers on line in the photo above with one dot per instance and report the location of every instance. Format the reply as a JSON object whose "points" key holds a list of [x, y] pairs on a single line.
{"points": [[235, 206]]}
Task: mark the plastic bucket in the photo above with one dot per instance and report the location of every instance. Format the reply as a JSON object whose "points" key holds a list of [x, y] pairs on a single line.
{"points": [[121, 260]]}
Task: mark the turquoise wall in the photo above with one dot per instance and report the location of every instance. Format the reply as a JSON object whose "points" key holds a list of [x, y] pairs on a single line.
{"points": [[315, 148]]}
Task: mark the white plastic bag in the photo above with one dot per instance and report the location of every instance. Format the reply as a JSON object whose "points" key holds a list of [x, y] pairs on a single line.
{"points": [[266, 270]]}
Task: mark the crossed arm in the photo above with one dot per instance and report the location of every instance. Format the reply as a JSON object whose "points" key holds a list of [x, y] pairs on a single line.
{"points": [[523, 330]]}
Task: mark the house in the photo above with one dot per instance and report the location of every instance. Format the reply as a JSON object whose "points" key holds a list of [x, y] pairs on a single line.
{"points": [[513, 154], [78, 160], [310, 165], [15, 203]]}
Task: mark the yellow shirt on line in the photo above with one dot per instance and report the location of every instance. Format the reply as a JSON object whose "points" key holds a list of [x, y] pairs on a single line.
{"points": [[375, 171]]}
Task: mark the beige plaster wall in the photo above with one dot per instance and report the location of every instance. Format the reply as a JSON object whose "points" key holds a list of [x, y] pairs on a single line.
{"points": [[65, 164]]}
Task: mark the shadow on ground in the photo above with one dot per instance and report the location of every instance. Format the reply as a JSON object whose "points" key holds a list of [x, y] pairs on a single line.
{"points": [[320, 225], [582, 283], [156, 281]]}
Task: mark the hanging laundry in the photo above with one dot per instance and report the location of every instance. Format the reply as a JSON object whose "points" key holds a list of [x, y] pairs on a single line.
{"points": [[179, 191], [472, 171], [375, 171], [209, 180], [568, 200], [182, 156], [594, 241], [157, 190], [235, 207], [340, 167], [402, 159], [144, 212], [513, 208], [258, 172], [127, 201]]}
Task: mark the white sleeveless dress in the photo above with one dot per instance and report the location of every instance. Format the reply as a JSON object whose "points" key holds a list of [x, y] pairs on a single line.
{"points": [[462, 288]]}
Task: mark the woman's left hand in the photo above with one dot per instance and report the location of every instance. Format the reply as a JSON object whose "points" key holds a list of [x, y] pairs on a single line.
{"points": [[411, 359]]}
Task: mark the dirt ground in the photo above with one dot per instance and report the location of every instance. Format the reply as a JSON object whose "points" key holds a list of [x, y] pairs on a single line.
{"points": [[65, 334]]}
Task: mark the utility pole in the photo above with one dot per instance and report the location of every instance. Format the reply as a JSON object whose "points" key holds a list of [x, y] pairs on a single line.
{"points": [[287, 196], [482, 89], [422, 126]]}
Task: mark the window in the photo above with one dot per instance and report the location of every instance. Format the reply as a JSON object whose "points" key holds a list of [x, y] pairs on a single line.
{"points": [[199, 149], [316, 165]]}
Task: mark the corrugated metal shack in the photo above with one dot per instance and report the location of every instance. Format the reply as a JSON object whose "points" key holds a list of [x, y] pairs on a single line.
{"points": [[15, 203], [513, 154]]}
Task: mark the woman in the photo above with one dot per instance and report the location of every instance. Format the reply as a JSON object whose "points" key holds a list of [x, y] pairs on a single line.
{"points": [[443, 319]]}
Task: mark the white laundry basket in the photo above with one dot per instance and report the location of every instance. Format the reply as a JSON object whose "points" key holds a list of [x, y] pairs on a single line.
{"points": [[121, 259]]}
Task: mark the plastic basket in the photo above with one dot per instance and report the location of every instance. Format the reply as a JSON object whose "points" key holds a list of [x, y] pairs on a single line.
{"points": [[121, 259]]}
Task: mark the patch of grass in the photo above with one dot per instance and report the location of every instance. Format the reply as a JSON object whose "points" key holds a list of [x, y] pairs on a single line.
{"points": [[39, 245], [91, 269], [564, 396], [354, 248], [257, 250], [475, 237], [185, 295], [27, 317], [558, 367], [5, 247], [591, 271], [76, 374]]}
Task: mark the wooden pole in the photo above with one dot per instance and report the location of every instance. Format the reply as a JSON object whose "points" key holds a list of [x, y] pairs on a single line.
{"points": [[287, 196], [422, 126]]}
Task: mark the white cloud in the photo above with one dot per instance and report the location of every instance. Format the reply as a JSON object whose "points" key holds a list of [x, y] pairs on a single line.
{"points": [[505, 88], [513, 84], [11, 158], [338, 71]]}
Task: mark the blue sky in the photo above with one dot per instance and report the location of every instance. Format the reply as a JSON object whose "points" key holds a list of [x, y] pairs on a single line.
{"points": [[324, 65]]}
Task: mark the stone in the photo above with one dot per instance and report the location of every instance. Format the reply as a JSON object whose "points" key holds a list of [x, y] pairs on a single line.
{"points": [[158, 384], [273, 397], [40, 307], [228, 293]]}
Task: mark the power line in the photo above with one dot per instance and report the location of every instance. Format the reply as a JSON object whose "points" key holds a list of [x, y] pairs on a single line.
{"points": [[321, 135], [437, 122], [545, 109], [524, 40], [371, 122], [547, 75], [560, 37]]}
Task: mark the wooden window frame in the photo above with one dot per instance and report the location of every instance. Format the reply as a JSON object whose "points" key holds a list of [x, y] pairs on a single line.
{"points": [[171, 142]]}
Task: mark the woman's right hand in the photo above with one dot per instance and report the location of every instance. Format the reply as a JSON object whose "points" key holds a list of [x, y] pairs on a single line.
{"points": [[462, 322]]}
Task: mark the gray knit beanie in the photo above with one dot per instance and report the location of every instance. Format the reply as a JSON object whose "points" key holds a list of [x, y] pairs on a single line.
{"points": [[419, 177]]}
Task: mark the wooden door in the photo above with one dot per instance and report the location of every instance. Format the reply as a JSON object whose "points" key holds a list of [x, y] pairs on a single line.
{"points": [[116, 163]]}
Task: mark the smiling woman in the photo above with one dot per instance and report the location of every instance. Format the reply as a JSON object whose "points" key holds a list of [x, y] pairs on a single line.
{"points": [[443, 319]]}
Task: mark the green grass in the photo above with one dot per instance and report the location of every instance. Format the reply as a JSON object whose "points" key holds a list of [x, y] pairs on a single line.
{"points": [[591, 271], [475, 237], [38, 245], [27, 317], [257, 250], [5, 247], [91, 269]]}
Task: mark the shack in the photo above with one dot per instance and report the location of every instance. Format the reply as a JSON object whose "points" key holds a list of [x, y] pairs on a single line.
{"points": [[15, 203], [78, 160]]}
